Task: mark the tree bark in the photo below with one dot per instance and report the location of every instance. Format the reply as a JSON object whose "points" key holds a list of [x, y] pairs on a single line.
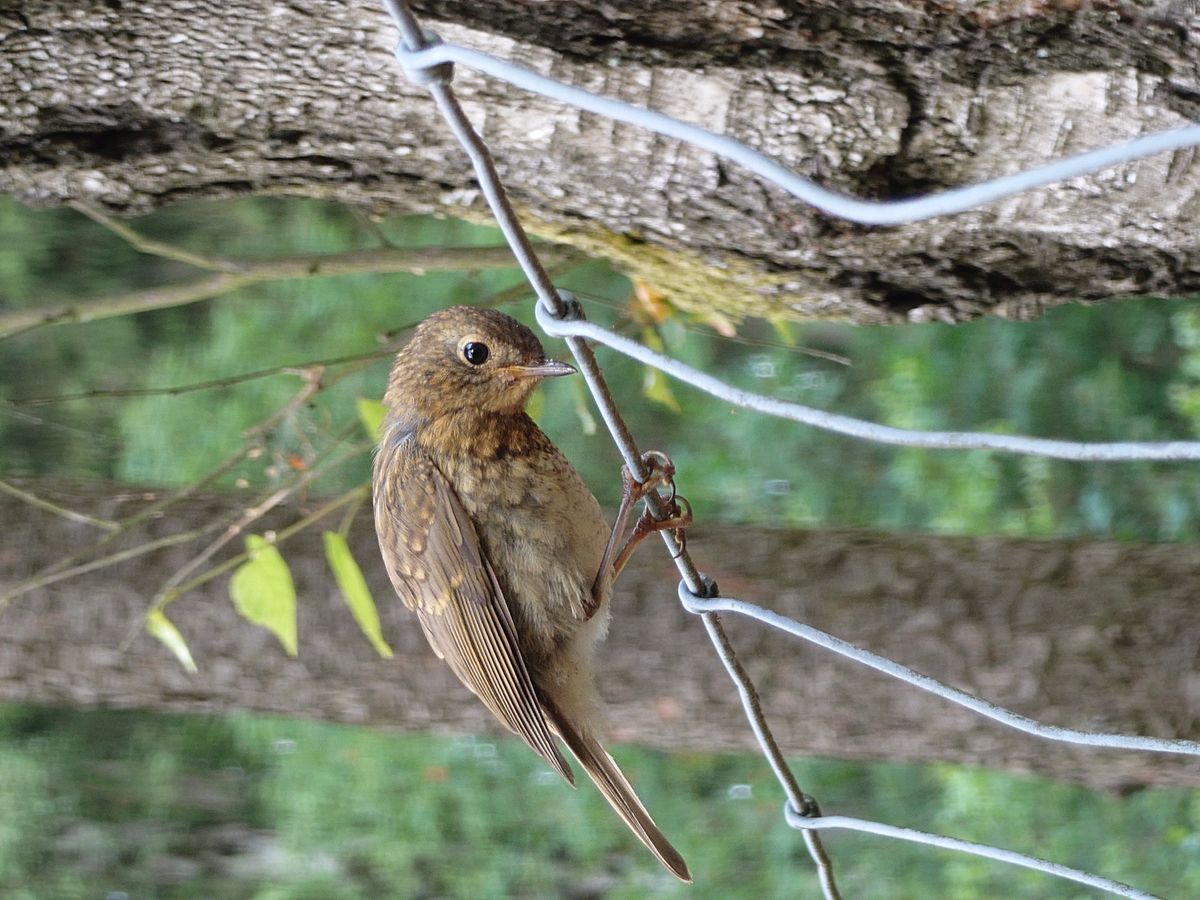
{"points": [[136, 105], [1080, 634]]}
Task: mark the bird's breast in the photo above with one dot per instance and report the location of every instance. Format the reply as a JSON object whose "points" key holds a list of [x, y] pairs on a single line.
{"points": [[543, 533]]}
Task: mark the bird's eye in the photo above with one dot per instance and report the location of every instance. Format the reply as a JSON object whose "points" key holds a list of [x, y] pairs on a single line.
{"points": [[475, 352]]}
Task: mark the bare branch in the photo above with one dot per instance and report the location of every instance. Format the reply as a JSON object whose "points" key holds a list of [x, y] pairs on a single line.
{"points": [[256, 271], [152, 247], [499, 298], [253, 438], [41, 503]]}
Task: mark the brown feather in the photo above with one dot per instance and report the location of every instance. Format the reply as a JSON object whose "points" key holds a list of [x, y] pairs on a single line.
{"points": [[615, 787], [432, 554]]}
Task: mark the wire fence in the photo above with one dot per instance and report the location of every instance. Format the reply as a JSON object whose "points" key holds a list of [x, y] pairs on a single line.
{"points": [[428, 61]]}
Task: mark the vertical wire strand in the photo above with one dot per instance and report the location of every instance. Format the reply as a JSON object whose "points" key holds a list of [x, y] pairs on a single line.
{"points": [[548, 296]]}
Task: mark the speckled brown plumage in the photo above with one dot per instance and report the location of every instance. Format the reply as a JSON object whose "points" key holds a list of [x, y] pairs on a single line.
{"points": [[492, 538]]}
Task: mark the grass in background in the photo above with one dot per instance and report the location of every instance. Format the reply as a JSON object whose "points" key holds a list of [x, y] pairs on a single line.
{"points": [[128, 804]]}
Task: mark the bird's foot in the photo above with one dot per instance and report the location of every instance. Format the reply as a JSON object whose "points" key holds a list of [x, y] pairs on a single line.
{"points": [[660, 472], [678, 518]]}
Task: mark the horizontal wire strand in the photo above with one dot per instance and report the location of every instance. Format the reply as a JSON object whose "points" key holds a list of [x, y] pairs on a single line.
{"points": [[866, 212], [1119, 451], [866, 826], [698, 604]]}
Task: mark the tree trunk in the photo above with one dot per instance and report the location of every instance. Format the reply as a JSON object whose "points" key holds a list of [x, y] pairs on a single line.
{"points": [[135, 105], [1080, 634]]}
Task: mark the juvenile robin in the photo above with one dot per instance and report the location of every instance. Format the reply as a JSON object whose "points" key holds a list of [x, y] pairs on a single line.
{"points": [[492, 538]]}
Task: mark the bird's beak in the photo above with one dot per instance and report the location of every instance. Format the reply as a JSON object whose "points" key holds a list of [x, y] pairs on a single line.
{"points": [[550, 368]]}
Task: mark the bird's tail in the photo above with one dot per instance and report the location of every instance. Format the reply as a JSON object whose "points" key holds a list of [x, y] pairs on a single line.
{"points": [[603, 770]]}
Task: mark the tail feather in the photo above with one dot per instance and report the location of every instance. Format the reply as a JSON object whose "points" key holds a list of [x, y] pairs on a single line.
{"points": [[603, 770]]}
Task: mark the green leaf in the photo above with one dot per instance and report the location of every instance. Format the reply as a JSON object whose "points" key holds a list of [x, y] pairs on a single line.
{"points": [[536, 406], [354, 590], [656, 388], [164, 629], [370, 413], [654, 383], [783, 330], [263, 592], [586, 421]]}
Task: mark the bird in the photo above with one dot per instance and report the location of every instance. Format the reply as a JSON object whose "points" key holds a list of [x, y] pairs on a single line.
{"points": [[492, 538]]}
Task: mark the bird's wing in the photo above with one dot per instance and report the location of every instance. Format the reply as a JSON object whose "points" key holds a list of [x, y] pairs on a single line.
{"points": [[433, 556]]}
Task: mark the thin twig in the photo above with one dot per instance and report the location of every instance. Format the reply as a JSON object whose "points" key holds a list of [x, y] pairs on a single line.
{"points": [[72, 515], [250, 515], [45, 578], [168, 595], [348, 519], [354, 496], [254, 271], [151, 247], [208, 385], [496, 298], [253, 438]]}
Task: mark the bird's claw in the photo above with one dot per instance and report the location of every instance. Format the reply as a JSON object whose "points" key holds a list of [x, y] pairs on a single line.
{"points": [[660, 471], [677, 519]]}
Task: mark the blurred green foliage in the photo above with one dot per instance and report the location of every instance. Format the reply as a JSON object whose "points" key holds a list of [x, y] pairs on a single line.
{"points": [[1128, 370], [254, 807]]}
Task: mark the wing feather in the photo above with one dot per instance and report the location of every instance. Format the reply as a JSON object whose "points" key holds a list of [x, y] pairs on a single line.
{"points": [[436, 564]]}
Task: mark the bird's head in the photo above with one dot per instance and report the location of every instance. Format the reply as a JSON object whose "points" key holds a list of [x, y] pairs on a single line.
{"points": [[467, 358]]}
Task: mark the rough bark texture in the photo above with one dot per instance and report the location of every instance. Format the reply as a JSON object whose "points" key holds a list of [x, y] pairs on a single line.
{"points": [[137, 105], [1091, 635]]}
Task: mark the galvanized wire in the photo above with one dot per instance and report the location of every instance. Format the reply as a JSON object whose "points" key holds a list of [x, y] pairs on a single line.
{"points": [[865, 826], [700, 604], [870, 431], [867, 212], [428, 61]]}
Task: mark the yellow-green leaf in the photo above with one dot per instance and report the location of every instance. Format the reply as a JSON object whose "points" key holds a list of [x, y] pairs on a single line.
{"points": [[783, 329], [263, 592], [719, 323], [654, 383], [586, 421], [536, 406], [370, 413], [656, 388], [651, 302], [164, 629], [354, 590]]}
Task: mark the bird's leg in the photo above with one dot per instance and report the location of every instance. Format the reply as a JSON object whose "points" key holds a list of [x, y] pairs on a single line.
{"points": [[646, 525], [661, 472]]}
